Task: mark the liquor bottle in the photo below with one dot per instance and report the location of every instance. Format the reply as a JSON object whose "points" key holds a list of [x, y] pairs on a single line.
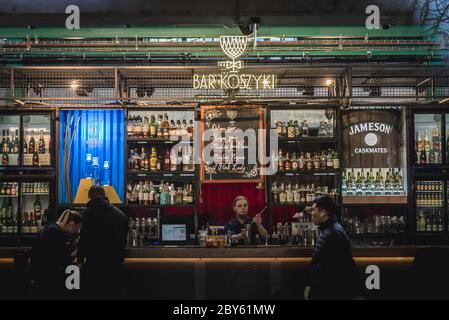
{"points": [[153, 127], [145, 127], [294, 162], [130, 127], [344, 185], [167, 160], [335, 160], [95, 171], [296, 194], [5, 158], [305, 129], [31, 145], [42, 147], [301, 161], [165, 127], [163, 194], [427, 146], [36, 162], [291, 129], [287, 163], [8, 142], [282, 195], [316, 162], [159, 163], [275, 191], [358, 184], [37, 206], [4, 141], [25, 147], [190, 130], [88, 166], [418, 146], [323, 161], [146, 194], [159, 131], [297, 129], [106, 174], [363, 180], [138, 127], [173, 160], [421, 223], [153, 159], [144, 162], [190, 195], [329, 159], [436, 148], [186, 159], [278, 129], [281, 162], [289, 194]]}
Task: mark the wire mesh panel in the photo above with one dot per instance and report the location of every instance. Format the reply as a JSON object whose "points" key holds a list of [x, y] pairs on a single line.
{"points": [[64, 84], [193, 84]]}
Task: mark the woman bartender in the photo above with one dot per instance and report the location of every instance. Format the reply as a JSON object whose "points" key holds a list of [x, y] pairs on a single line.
{"points": [[236, 228]]}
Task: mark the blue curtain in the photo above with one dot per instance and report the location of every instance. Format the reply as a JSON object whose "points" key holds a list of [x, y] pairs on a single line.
{"points": [[96, 132]]}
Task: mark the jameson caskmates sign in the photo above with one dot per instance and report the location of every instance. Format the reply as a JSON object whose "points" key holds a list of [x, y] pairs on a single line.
{"points": [[371, 138], [231, 76]]}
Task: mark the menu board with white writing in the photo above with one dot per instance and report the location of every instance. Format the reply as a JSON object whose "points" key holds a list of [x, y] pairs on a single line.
{"points": [[230, 139]]}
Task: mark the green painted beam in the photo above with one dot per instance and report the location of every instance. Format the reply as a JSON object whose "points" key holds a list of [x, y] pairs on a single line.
{"points": [[345, 31], [121, 32], [210, 32]]}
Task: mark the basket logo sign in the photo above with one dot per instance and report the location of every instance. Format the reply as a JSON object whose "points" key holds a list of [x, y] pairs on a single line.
{"points": [[231, 76]]}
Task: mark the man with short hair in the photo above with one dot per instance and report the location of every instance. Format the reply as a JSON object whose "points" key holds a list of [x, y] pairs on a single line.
{"points": [[333, 273], [102, 243], [235, 226], [51, 255]]}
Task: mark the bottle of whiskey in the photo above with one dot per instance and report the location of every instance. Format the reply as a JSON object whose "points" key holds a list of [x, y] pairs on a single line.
{"points": [[153, 159], [153, 127], [427, 146], [42, 143], [144, 162], [145, 128], [36, 162], [31, 145], [281, 161]]}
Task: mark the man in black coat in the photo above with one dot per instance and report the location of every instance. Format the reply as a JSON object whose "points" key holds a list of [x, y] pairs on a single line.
{"points": [[51, 255], [333, 273], [102, 243]]}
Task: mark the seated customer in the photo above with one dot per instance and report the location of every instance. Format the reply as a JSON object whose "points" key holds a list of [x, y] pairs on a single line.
{"points": [[51, 255], [236, 228]]}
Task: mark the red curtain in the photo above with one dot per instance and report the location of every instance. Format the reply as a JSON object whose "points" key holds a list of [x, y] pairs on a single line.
{"points": [[216, 201]]}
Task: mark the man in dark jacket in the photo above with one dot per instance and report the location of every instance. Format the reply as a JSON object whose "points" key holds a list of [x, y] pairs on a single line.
{"points": [[333, 274], [102, 244], [51, 255]]}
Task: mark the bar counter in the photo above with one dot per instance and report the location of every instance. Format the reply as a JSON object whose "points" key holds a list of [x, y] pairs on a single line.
{"points": [[192, 272]]}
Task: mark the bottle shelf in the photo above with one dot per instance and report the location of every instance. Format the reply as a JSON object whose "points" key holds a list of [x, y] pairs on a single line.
{"points": [[375, 199], [36, 194], [156, 140], [307, 173], [8, 196], [163, 173], [430, 207], [307, 139], [159, 206]]}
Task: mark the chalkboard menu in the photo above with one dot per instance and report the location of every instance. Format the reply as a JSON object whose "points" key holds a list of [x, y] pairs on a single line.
{"points": [[230, 143]]}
